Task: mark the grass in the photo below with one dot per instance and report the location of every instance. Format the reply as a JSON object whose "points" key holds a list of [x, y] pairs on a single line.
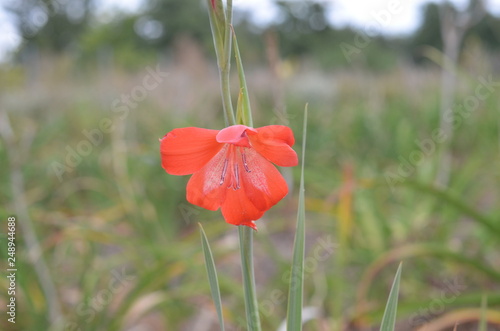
{"points": [[122, 244]]}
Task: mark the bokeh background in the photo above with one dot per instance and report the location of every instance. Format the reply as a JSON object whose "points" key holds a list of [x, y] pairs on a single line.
{"points": [[402, 163]]}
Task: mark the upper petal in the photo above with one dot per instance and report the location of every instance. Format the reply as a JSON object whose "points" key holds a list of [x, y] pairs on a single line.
{"points": [[186, 150], [235, 134], [274, 143]]}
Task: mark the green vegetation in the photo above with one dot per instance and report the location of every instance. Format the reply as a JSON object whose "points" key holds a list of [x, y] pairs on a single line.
{"points": [[80, 163], [116, 211]]}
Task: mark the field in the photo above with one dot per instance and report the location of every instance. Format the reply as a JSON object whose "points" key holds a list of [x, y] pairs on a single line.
{"points": [[105, 239]]}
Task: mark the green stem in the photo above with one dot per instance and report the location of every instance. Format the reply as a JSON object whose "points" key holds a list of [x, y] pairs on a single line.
{"points": [[251, 306], [226, 98], [224, 68]]}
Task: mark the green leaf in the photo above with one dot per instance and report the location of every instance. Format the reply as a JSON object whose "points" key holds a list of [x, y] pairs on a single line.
{"points": [[295, 294], [220, 24], [217, 25], [212, 276], [389, 318], [243, 111], [457, 203]]}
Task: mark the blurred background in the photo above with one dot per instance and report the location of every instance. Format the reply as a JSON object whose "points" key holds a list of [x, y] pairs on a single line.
{"points": [[403, 162]]}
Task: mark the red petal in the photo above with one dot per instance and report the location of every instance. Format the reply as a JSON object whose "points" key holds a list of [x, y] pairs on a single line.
{"points": [[261, 186], [235, 134], [263, 183], [237, 209], [240, 181], [274, 143], [186, 150], [204, 189]]}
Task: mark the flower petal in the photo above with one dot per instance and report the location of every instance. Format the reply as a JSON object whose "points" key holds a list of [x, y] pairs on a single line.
{"points": [[204, 189], [263, 183], [186, 150], [237, 209], [241, 182], [261, 186], [274, 143], [235, 134]]}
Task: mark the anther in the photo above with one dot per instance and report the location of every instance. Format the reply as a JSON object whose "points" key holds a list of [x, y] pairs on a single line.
{"points": [[243, 156], [224, 169], [236, 176]]}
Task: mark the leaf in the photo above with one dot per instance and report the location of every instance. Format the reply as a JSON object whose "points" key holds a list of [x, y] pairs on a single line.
{"points": [[217, 24], [295, 294], [212, 276], [243, 111], [389, 318], [458, 204]]}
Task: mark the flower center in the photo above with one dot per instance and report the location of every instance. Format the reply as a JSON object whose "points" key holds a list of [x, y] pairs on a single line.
{"points": [[235, 159]]}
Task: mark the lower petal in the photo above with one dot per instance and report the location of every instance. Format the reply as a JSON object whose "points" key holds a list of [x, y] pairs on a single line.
{"points": [[237, 208], [262, 186], [263, 183]]}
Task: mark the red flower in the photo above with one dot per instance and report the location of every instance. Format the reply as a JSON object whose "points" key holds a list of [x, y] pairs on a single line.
{"points": [[231, 167]]}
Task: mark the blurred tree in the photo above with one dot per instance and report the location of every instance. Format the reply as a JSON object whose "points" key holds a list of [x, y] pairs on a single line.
{"points": [[301, 25], [163, 20], [135, 39], [117, 42], [486, 29], [302, 29], [50, 24], [428, 33]]}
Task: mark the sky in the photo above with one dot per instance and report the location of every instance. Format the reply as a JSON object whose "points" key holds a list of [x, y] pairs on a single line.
{"points": [[389, 17]]}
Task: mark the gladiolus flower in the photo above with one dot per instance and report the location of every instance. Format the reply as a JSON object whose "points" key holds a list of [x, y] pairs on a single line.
{"points": [[231, 168]]}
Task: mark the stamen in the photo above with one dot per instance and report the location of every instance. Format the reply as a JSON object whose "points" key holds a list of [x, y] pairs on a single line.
{"points": [[236, 176], [245, 164], [224, 169]]}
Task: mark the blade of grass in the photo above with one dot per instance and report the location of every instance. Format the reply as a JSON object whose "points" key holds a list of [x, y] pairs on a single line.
{"points": [[295, 294], [391, 309], [212, 275], [458, 203], [460, 316], [447, 198], [413, 251]]}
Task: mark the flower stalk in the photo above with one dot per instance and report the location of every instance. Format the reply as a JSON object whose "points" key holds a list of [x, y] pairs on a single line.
{"points": [[223, 53], [251, 305], [220, 24]]}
